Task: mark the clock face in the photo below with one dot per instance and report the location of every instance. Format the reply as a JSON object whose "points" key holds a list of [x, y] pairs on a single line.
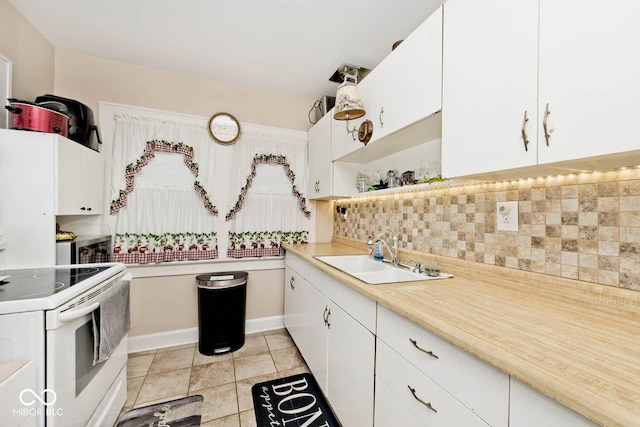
{"points": [[224, 128]]}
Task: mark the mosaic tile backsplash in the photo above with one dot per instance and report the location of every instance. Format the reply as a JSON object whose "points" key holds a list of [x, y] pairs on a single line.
{"points": [[584, 226]]}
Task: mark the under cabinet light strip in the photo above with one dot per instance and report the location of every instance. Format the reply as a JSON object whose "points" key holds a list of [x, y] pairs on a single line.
{"points": [[453, 184]]}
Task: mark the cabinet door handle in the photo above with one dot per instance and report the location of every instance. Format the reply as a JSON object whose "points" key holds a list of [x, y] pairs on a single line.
{"points": [[545, 125], [293, 279], [324, 315], [328, 316], [429, 352], [525, 139], [415, 396], [317, 186], [83, 208], [380, 117]]}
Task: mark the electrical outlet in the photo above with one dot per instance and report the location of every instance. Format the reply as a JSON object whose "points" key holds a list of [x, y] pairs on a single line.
{"points": [[507, 216]]}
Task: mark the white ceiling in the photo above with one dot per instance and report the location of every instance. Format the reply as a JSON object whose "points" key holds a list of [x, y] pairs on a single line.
{"points": [[286, 46]]}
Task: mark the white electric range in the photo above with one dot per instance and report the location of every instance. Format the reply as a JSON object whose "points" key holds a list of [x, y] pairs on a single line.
{"points": [[46, 317]]}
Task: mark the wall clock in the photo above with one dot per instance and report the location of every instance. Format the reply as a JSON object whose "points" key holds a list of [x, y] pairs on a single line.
{"points": [[224, 128]]}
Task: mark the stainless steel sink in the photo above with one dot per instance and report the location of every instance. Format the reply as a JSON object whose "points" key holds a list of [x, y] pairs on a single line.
{"points": [[374, 272]]}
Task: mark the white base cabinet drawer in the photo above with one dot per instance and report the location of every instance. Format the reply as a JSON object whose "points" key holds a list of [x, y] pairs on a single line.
{"points": [[481, 387], [530, 408], [430, 406], [391, 411], [13, 412]]}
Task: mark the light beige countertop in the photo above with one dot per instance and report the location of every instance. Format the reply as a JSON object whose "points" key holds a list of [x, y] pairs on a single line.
{"points": [[574, 341]]}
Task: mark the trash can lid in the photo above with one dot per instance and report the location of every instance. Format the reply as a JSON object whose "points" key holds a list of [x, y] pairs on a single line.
{"points": [[222, 279]]}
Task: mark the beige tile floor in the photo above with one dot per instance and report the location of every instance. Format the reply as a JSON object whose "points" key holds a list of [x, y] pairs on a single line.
{"points": [[225, 380]]}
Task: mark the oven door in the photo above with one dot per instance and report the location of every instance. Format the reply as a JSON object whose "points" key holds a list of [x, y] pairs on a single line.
{"points": [[81, 388]]}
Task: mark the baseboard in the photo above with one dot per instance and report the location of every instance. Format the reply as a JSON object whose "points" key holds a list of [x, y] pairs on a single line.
{"points": [[190, 335]]}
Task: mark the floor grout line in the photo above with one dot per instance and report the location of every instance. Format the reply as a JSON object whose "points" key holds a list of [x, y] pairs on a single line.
{"points": [[235, 356]]}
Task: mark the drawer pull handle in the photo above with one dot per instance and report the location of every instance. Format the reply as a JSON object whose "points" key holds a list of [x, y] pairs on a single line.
{"points": [[293, 279], [430, 353], [415, 396], [325, 316]]}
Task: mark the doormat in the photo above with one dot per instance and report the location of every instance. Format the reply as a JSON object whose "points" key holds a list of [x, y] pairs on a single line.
{"points": [[185, 412], [293, 401]]}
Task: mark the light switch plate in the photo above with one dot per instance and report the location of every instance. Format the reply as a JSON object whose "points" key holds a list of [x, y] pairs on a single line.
{"points": [[507, 216]]}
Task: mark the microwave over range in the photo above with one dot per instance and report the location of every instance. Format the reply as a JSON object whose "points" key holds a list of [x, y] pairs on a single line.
{"points": [[84, 250]]}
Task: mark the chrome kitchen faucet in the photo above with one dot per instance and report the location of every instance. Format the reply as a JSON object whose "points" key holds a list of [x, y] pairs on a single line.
{"points": [[393, 248]]}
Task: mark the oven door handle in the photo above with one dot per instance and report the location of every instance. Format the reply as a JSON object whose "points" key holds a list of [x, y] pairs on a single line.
{"points": [[69, 316]]}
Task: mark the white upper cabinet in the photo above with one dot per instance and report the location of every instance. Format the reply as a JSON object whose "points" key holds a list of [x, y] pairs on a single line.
{"points": [[404, 89], [489, 83], [80, 178], [49, 175], [589, 68], [320, 168], [327, 179], [571, 68], [411, 78]]}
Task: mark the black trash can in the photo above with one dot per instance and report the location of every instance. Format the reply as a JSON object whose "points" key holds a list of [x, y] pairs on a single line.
{"points": [[222, 304]]}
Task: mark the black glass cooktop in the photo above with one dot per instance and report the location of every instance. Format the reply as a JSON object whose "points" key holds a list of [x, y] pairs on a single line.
{"points": [[41, 282]]}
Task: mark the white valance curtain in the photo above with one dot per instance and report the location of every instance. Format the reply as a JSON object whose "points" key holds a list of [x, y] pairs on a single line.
{"points": [[162, 190], [268, 191]]}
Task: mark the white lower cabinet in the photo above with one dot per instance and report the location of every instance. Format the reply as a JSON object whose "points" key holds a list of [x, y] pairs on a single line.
{"points": [[304, 307], [529, 408], [427, 403], [478, 386], [351, 355], [338, 349], [420, 378], [390, 411], [13, 412]]}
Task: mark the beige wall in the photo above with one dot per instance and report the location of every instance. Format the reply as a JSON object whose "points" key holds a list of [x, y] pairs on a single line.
{"points": [[90, 79], [165, 304], [31, 54], [162, 304]]}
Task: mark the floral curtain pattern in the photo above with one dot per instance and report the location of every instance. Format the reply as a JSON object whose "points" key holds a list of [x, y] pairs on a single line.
{"points": [[144, 248], [262, 216], [262, 243], [134, 168], [275, 160], [168, 215]]}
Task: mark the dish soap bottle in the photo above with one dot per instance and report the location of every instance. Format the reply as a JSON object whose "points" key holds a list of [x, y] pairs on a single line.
{"points": [[377, 252]]}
